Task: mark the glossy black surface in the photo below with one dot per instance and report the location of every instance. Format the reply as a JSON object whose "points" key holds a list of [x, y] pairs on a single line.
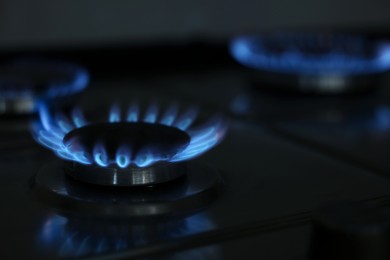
{"points": [[350, 230], [272, 180]]}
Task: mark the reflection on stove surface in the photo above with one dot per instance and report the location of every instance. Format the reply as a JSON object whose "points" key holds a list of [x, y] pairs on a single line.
{"points": [[63, 236]]}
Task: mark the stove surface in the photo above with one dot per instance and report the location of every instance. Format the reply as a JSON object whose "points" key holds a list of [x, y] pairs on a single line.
{"points": [[277, 164]]}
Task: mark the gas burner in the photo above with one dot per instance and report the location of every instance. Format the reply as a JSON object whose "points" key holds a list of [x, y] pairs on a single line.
{"points": [[24, 83], [134, 151], [313, 62], [143, 150]]}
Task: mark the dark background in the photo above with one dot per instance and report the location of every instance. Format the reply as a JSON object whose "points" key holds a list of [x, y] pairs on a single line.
{"points": [[96, 22]]}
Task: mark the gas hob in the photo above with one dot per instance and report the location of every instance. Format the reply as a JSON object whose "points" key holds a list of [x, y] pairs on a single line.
{"points": [[259, 187]]}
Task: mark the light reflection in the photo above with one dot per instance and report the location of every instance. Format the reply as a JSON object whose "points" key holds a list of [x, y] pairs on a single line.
{"points": [[74, 237]]}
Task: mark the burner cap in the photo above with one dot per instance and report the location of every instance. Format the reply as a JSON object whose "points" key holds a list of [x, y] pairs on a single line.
{"points": [[144, 139]]}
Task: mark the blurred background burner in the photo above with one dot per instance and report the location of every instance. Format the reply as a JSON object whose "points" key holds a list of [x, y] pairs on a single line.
{"points": [[25, 83], [313, 63]]}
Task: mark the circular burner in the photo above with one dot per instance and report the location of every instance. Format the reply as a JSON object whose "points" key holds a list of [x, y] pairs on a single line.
{"points": [[136, 150], [190, 192]]}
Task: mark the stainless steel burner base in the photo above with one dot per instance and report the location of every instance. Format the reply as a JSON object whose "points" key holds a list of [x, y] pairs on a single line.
{"points": [[132, 176], [189, 193]]}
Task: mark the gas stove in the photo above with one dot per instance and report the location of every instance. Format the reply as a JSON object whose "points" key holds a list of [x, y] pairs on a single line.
{"points": [[186, 162]]}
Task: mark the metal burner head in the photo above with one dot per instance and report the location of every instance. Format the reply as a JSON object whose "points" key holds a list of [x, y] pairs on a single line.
{"points": [[130, 176]]}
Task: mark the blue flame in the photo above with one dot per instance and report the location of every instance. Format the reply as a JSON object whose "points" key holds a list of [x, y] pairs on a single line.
{"points": [[345, 55], [169, 117], [122, 157], [78, 82], [100, 155], [133, 113], [51, 130], [115, 114], [151, 114]]}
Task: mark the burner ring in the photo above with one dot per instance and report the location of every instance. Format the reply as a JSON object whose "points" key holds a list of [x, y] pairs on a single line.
{"points": [[131, 176]]}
